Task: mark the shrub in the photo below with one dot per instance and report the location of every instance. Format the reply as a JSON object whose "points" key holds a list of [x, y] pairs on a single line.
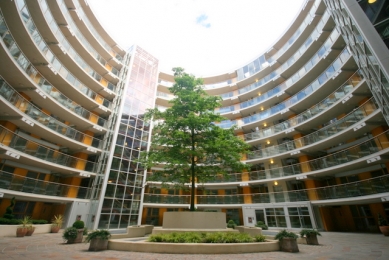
{"points": [[79, 224], [102, 234], [309, 232], [194, 237], [70, 233], [8, 211], [283, 233], [260, 238], [6, 221], [38, 221], [262, 225], [231, 224]]}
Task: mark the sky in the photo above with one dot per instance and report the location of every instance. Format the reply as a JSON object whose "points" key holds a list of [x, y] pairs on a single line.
{"points": [[205, 37]]}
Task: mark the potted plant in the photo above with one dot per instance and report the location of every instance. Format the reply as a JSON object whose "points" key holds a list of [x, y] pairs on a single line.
{"points": [[56, 223], [310, 235], [383, 225], [70, 235], [288, 241], [80, 226], [231, 224], [22, 230], [98, 239], [262, 225], [30, 230]]}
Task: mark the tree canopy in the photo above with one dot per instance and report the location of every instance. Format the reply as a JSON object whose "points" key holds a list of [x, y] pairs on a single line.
{"points": [[187, 145]]}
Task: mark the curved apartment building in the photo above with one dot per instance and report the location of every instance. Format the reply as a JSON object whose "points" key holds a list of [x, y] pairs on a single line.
{"points": [[314, 107]]}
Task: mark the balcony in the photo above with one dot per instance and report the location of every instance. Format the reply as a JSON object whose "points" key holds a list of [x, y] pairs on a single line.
{"points": [[373, 186], [13, 182]]}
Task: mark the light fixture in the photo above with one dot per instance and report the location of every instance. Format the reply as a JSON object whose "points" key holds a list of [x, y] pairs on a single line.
{"points": [[261, 108], [271, 161], [264, 124], [268, 142], [256, 80], [275, 183], [372, 1], [259, 93]]}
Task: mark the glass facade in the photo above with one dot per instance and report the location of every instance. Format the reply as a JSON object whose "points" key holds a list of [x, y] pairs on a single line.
{"points": [[122, 200]]}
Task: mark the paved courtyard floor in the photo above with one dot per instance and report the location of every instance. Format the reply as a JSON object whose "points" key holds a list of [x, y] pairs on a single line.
{"points": [[334, 245]]}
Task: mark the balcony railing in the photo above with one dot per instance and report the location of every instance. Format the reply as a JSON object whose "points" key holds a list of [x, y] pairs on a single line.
{"points": [[338, 94], [42, 82], [55, 62], [371, 186], [367, 148], [10, 181], [36, 150], [23, 105], [355, 116]]}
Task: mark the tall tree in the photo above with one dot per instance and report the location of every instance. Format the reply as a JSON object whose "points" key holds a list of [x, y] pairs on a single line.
{"points": [[186, 143]]}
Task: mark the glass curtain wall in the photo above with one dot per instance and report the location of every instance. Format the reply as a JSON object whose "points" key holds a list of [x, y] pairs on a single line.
{"points": [[122, 200]]}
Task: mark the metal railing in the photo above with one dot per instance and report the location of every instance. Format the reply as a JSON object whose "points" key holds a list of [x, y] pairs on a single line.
{"points": [[371, 186], [13, 140], [10, 181]]}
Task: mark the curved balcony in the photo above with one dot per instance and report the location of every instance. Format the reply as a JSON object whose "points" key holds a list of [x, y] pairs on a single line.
{"points": [[311, 40], [342, 125], [61, 46], [13, 182], [279, 91], [45, 87], [372, 151], [60, 10], [352, 83], [261, 62], [14, 147], [17, 102], [355, 190], [103, 81], [92, 31], [332, 71]]}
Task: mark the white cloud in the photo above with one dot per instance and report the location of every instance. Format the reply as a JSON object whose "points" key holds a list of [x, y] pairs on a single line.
{"points": [[238, 31]]}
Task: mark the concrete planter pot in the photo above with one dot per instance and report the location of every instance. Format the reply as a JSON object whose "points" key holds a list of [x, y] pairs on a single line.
{"points": [[384, 230], [312, 239], [288, 244], [80, 235], [98, 244]]}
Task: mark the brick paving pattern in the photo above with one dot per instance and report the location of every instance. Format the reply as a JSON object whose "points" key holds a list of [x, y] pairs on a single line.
{"points": [[332, 246]]}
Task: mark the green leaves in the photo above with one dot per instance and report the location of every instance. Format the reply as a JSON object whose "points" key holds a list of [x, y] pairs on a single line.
{"points": [[186, 143]]}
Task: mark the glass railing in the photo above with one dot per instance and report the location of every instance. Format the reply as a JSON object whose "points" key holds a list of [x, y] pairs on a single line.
{"points": [[295, 77], [65, 46], [317, 83], [23, 105], [165, 83], [351, 154], [314, 35], [95, 33], [81, 37], [355, 80], [260, 63], [10, 181], [165, 95], [42, 82], [34, 149], [323, 133], [368, 187]]}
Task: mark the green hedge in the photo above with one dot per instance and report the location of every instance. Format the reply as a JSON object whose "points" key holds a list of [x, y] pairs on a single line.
{"points": [[5, 221], [217, 237]]}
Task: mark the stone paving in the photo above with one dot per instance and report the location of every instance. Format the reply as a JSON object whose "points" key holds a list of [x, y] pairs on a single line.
{"points": [[333, 246]]}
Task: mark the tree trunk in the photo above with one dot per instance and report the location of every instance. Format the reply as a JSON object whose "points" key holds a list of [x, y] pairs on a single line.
{"points": [[192, 190]]}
